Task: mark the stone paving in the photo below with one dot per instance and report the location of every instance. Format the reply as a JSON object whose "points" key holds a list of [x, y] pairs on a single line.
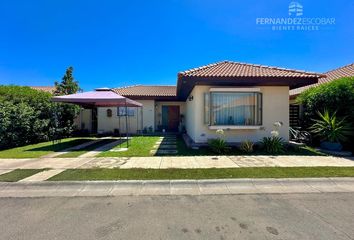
{"points": [[165, 145], [83, 145]]}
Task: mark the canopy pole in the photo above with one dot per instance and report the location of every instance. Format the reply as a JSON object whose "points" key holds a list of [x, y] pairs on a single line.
{"points": [[126, 122], [119, 129]]}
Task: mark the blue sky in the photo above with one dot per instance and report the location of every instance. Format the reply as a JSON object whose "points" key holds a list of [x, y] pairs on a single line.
{"points": [[117, 43]]}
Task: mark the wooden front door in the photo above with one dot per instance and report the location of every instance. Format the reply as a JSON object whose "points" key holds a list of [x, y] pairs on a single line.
{"points": [[170, 118]]}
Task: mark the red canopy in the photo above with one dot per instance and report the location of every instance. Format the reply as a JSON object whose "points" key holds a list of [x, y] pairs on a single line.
{"points": [[98, 98]]}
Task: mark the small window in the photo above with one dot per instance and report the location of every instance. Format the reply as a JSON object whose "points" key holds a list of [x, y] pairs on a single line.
{"points": [[109, 112], [121, 111]]}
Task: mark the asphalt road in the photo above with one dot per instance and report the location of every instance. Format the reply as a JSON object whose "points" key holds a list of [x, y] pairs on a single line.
{"points": [[260, 216]]}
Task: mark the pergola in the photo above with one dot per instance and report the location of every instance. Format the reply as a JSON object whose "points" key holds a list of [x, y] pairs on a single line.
{"points": [[100, 98]]}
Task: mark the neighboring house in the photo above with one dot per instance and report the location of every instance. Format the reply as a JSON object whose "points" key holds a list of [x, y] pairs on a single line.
{"points": [[296, 109], [243, 99]]}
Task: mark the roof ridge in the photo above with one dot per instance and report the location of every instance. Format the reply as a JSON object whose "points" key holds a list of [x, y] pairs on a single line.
{"points": [[124, 87], [250, 64], [276, 68], [345, 66]]}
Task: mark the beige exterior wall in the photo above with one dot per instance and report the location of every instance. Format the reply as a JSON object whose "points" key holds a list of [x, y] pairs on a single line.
{"points": [[83, 120], [144, 118], [275, 108], [158, 110]]}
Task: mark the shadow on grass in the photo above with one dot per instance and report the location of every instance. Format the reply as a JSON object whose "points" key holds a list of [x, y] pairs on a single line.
{"points": [[57, 147]]}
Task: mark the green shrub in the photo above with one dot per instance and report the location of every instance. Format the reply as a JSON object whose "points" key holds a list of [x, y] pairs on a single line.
{"points": [[29, 116], [336, 96], [218, 145], [247, 146], [272, 145], [329, 128]]}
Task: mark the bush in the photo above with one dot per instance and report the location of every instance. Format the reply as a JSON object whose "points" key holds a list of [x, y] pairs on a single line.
{"points": [[336, 96], [273, 145], [330, 128], [218, 145], [246, 146], [28, 116]]}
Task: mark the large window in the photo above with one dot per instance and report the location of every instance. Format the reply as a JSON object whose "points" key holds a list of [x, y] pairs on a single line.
{"points": [[233, 108]]}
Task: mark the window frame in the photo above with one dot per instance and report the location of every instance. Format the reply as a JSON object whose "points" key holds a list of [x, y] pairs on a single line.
{"points": [[258, 108]]}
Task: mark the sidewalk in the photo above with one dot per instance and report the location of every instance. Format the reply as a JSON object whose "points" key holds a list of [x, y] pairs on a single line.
{"points": [[176, 162], [177, 187]]}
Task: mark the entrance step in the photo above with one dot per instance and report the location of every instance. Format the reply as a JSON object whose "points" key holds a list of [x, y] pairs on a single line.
{"points": [[167, 146], [162, 152]]}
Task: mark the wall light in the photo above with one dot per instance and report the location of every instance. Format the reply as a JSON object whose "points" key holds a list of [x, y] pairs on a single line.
{"points": [[190, 98]]}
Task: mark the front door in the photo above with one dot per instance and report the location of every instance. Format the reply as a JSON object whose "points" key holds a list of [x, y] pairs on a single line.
{"points": [[170, 118]]}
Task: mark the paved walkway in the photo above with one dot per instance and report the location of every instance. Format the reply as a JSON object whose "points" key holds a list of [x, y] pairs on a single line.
{"points": [[165, 145], [177, 187]]}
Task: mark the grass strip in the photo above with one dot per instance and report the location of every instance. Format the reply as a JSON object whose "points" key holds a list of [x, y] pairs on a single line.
{"points": [[41, 149], [18, 174], [211, 173], [138, 147], [78, 152]]}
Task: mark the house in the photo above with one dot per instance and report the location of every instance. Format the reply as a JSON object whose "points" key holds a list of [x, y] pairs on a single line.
{"points": [[296, 109], [243, 99]]}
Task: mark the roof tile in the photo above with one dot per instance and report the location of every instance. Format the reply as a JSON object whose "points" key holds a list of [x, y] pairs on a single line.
{"points": [[345, 71]]}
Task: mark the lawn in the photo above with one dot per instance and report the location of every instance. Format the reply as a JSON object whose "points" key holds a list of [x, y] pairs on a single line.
{"points": [[76, 153], [18, 174], [41, 149], [139, 147], [212, 173]]}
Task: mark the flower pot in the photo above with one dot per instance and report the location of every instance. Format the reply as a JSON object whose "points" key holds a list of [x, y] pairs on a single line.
{"points": [[333, 146]]}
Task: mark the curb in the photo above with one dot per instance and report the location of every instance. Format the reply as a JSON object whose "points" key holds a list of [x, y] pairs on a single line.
{"points": [[177, 187]]}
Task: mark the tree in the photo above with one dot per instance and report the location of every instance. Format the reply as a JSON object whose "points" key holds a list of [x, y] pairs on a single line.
{"points": [[63, 118], [68, 85]]}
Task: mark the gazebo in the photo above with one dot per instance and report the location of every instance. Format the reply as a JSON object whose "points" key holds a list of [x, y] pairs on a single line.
{"points": [[101, 97]]}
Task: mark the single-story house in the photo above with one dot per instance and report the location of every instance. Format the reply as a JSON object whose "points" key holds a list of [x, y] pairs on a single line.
{"points": [[296, 109], [242, 99]]}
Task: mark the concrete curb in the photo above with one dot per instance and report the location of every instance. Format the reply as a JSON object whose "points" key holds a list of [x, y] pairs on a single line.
{"points": [[176, 187]]}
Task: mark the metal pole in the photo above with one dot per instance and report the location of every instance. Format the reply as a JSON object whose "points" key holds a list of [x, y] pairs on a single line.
{"points": [[126, 122]]}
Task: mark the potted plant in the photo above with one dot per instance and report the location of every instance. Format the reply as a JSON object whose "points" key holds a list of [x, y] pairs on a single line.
{"points": [[331, 130]]}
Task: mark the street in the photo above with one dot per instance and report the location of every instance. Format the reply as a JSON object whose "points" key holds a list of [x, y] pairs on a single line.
{"points": [[253, 216]]}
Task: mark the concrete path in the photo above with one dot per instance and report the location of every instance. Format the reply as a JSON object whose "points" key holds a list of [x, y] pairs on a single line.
{"points": [[176, 187], [164, 162]]}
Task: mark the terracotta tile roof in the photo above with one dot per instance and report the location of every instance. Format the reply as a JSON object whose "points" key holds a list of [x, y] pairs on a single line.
{"points": [[147, 91], [236, 69], [49, 89], [346, 71]]}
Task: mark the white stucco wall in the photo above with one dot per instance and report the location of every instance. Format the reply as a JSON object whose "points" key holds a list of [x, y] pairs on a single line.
{"points": [[137, 122], [275, 108]]}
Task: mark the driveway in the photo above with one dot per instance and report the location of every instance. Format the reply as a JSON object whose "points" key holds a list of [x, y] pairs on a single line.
{"points": [[282, 216]]}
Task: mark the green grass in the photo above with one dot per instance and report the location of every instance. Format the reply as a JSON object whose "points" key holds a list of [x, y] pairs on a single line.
{"points": [[213, 173], [41, 149], [76, 153], [139, 147], [18, 174]]}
